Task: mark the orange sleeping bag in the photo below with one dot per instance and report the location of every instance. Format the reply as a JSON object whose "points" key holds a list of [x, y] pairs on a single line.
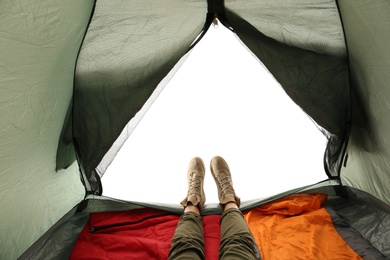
{"points": [[297, 227]]}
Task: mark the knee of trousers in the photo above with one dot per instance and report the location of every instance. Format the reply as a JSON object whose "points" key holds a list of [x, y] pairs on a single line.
{"points": [[183, 244], [242, 242]]}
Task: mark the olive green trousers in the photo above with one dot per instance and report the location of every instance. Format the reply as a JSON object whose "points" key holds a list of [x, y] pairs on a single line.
{"points": [[236, 239]]}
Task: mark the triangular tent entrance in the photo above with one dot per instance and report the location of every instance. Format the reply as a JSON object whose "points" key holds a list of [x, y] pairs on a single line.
{"points": [[73, 73], [221, 101]]}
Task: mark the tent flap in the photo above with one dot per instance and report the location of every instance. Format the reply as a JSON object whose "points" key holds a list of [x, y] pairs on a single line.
{"points": [[316, 77], [127, 51]]}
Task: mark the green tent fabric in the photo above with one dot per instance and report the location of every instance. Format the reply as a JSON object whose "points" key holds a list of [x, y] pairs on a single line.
{"points": [[74, 74], [366, 32], [39, 42]]}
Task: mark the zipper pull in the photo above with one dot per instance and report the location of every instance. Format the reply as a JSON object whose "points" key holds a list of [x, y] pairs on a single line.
{"points": [[215, 21]]}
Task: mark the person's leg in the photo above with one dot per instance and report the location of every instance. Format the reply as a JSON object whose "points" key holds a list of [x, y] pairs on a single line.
{"points": [[236, 239], [188, 241]]}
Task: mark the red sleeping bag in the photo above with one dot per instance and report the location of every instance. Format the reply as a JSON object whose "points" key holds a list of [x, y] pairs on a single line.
{"points": [[137, 234]]}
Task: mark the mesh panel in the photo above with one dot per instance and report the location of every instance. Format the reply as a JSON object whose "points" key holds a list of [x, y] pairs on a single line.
{"points": [[129, 48], [309, 63], [311, 25]]}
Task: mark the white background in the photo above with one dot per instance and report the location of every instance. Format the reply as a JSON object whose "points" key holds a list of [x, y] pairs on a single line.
{"points": [[221, 101]]}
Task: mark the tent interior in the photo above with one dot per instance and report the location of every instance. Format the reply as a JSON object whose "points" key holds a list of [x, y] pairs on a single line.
{"points": [[77, 77]]}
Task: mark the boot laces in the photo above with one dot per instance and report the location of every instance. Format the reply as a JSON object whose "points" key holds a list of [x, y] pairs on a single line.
{"points": [[225, 183], [194, 184]]}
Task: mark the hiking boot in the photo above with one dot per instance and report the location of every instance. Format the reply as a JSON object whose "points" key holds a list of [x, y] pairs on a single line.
{"points": [[195, 177], [223, 179]]}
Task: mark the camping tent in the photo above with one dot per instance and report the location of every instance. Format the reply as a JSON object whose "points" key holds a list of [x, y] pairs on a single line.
{"points": [[75, 74]]}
